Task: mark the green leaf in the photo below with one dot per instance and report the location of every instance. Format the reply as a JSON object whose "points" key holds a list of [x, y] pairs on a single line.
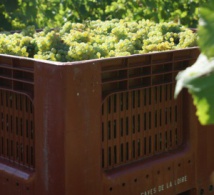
{"points": [[199, 80], [206, 29], [203, 99]]}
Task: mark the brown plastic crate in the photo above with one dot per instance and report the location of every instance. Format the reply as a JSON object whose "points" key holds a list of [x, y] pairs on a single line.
{"points": [[101, 127]]}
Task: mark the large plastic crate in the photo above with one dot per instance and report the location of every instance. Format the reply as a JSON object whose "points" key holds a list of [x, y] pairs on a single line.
{"points": [[101, 127]]}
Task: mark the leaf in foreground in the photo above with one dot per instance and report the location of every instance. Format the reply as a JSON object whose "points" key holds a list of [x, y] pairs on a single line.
{"points": [[206, 29], [199, 80]]}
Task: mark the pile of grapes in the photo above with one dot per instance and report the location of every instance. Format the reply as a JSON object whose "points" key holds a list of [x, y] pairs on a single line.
{"points": [[96, 39]]}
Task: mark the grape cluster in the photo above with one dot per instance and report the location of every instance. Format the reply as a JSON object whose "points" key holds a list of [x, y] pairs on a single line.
{"points": [[97, 39], [15, 44], [49, 46]]}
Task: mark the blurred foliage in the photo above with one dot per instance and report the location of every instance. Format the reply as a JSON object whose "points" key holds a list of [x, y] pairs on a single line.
{"points": [[53, 13], [199, 78]]}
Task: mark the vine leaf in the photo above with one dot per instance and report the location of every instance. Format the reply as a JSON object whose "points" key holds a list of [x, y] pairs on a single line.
{"points": [[199, 80], [206, 29]]}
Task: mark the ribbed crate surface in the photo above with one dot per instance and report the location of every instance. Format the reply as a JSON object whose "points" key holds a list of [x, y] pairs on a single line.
{"points": [[101, 127]]}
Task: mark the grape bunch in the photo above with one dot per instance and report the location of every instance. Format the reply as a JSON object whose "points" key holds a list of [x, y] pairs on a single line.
{"points": [[15, 44], [97, 39], [49, 46]]}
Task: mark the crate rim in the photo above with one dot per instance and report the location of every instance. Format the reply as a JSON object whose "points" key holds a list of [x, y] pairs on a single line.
{"points": [[57, 63]]}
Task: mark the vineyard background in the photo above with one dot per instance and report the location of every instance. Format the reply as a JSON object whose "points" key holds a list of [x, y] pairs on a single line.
{"points": [[54, 13]]}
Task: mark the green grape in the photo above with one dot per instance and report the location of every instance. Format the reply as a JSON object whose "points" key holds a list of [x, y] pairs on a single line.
{"points": [[53, 50], [58, 57]]}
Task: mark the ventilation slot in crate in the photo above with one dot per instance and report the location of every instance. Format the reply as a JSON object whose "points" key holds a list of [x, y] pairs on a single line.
{"points": [[139, 124], [17, 129]]}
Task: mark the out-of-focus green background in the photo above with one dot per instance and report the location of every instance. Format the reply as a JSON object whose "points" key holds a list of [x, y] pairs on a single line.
{"points": [[17, 14]]}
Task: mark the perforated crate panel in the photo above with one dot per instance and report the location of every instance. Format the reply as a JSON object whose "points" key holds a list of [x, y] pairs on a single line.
{"points": [[17, 128], [140, 117], [17, 113]]}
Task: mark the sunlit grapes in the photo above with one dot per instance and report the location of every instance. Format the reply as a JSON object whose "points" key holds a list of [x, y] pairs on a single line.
{"points": [[97, 39]]}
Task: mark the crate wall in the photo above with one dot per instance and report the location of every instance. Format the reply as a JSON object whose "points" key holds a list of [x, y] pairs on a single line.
{"points": [[107, 126]]}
